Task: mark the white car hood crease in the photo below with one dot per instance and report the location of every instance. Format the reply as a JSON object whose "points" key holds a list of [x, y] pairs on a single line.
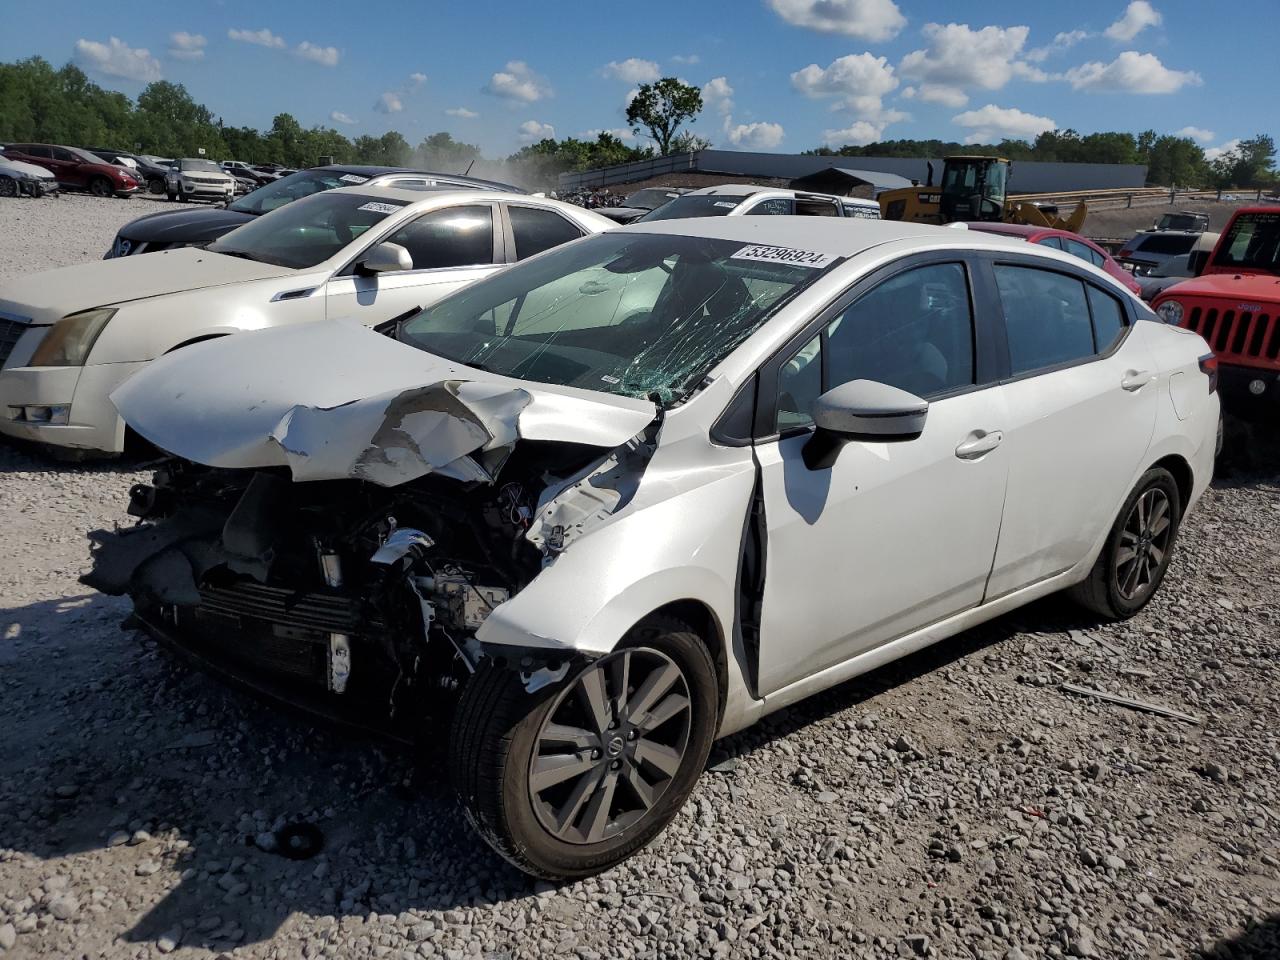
{"points": [[49, 296], [334, 399]]}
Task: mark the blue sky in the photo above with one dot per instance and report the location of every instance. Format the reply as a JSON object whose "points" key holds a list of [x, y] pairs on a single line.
{"points": [[776, 74]]}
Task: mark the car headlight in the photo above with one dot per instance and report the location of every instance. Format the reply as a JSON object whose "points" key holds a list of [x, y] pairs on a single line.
{"points": [[1170, 312], [69, 342]]}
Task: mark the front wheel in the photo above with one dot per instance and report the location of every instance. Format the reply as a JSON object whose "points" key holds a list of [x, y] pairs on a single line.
{"points": [[155, 186], [574, 780], [8, 187], [1136, 555], [101, 187]]}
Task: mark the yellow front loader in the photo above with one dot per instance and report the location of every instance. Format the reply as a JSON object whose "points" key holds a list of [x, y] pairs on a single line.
{"points": [[972, 189]]}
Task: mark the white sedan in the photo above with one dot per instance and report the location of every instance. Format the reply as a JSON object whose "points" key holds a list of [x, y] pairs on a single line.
{"points": [[644, 490], [69, 337]]}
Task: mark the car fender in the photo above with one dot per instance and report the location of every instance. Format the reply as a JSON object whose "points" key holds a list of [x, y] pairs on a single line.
{"points": [[146, 329]]}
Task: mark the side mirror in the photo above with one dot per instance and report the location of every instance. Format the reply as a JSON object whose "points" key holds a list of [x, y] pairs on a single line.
{"points": [[1196, 261], [384, 258], [862, 410]]}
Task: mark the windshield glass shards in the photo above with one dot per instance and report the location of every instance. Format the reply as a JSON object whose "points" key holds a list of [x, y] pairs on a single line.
{"points": [[642, 315]]}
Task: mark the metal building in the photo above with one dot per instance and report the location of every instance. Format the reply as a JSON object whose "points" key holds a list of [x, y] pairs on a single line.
{"points": [[704, 166]]}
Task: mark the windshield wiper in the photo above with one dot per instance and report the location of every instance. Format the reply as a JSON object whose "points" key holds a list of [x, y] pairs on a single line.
{"points": [[236, 253]]}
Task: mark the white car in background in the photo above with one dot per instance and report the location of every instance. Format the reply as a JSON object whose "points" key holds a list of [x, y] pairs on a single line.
{"points": [[751, 200], [645, 489], [194, 179], [69, 337]]}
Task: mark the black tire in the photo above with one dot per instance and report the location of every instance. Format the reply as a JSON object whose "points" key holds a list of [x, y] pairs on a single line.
{"points": [[8, 187], [496, 732], [101, 187], [1107, 591], [155, 186]]}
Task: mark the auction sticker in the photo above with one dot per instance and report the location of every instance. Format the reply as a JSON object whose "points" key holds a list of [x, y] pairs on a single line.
{"points": [[788, 255], [380, 207], [352, 178]]}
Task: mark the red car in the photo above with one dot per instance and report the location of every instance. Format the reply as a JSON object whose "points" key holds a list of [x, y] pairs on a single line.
{"points": [[77, 169], [1071, 243]]}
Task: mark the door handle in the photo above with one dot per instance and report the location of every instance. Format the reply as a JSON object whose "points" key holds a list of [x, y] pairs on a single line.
{"points": [[1135, 380], [978, 444]]}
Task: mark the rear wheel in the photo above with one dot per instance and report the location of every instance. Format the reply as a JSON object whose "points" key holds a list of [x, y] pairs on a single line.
{"points": [[570, 783], [1136, 555], [101, 187]]}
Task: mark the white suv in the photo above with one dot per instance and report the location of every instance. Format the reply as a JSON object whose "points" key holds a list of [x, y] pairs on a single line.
{"points": [[195, 179]]}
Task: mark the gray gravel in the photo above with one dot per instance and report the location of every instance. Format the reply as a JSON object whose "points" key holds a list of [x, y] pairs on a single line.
{"points": [[956, 804]]}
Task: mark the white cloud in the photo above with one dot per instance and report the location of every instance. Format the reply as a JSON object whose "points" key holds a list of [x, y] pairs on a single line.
{"points": [[687, 60], [1138, 15], [717, 95], [858, 82], [417, 79], [186, 46], [858, 133], [263, 37], [990, 124], [325, 56], [874, 20], [1131, 72], [531, 131], [1217, 153], [1195, 133], [518, 83], [1060, 42], [958, 57], [632, 70], [932, 93], [756, 136], [115, 58], [462, 113], [389, 102], [339, 117]]}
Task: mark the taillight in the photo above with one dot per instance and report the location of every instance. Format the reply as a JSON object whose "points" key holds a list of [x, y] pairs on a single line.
{"points": [[1209, 367]]}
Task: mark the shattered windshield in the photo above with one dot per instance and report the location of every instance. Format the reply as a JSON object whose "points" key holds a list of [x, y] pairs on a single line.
{"points": [[308, 232], [1251, 243], [694, 205], [642, 315]]}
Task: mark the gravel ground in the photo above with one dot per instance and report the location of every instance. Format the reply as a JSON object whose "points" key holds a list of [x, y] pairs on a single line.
{"points": [[956, 804]]}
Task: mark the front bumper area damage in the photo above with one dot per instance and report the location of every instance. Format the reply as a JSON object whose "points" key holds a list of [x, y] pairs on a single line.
{"points": [[358, 594]]}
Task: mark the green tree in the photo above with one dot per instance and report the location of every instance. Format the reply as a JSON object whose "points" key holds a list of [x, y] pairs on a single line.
{"points": [[659, 108], [168, 122], [443, 154]]}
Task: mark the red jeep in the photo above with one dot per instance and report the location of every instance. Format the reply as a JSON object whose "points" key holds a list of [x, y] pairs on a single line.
{"points": [[1234, 303]]}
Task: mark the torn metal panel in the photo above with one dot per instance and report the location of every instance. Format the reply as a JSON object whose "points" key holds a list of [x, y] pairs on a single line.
{"points": [[571, 508], [334, 400]]}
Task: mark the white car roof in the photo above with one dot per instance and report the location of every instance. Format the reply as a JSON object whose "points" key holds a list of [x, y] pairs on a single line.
{"points": [[836, 236], [435, 197]]}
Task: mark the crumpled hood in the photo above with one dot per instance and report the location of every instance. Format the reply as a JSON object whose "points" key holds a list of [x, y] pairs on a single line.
{"points": [[30, 169], [49, 296], [334, 399]]}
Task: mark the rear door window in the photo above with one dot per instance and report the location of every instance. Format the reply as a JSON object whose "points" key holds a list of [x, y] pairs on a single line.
{"points": [[1051, 242], [1108, 319], [773, 206], [536, 230], [452, 237], [1046, 315], [1081, 250]]}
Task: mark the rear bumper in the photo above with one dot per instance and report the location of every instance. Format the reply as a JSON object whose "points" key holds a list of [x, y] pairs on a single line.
{"points": [[1250, 393]]}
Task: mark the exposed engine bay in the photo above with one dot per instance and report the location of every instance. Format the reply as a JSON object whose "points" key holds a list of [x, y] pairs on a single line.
{"points": [[345, 597]]}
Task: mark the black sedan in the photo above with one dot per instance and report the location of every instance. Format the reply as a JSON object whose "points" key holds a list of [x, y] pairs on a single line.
{"points": [[185, 228]]}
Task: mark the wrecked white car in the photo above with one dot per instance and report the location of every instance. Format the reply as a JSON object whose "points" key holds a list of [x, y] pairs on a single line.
{"points": [[641, 490]]}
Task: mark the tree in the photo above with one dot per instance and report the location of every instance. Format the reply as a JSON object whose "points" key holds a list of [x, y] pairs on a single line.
{"points": [[689, 142], [661, 107], [1176, 162], [443, 154]]}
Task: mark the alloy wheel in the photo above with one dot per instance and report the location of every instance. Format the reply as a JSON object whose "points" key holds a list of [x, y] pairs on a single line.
{"points": [[100, 188], [610, 746], [1144, 544], [8, 187]]}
